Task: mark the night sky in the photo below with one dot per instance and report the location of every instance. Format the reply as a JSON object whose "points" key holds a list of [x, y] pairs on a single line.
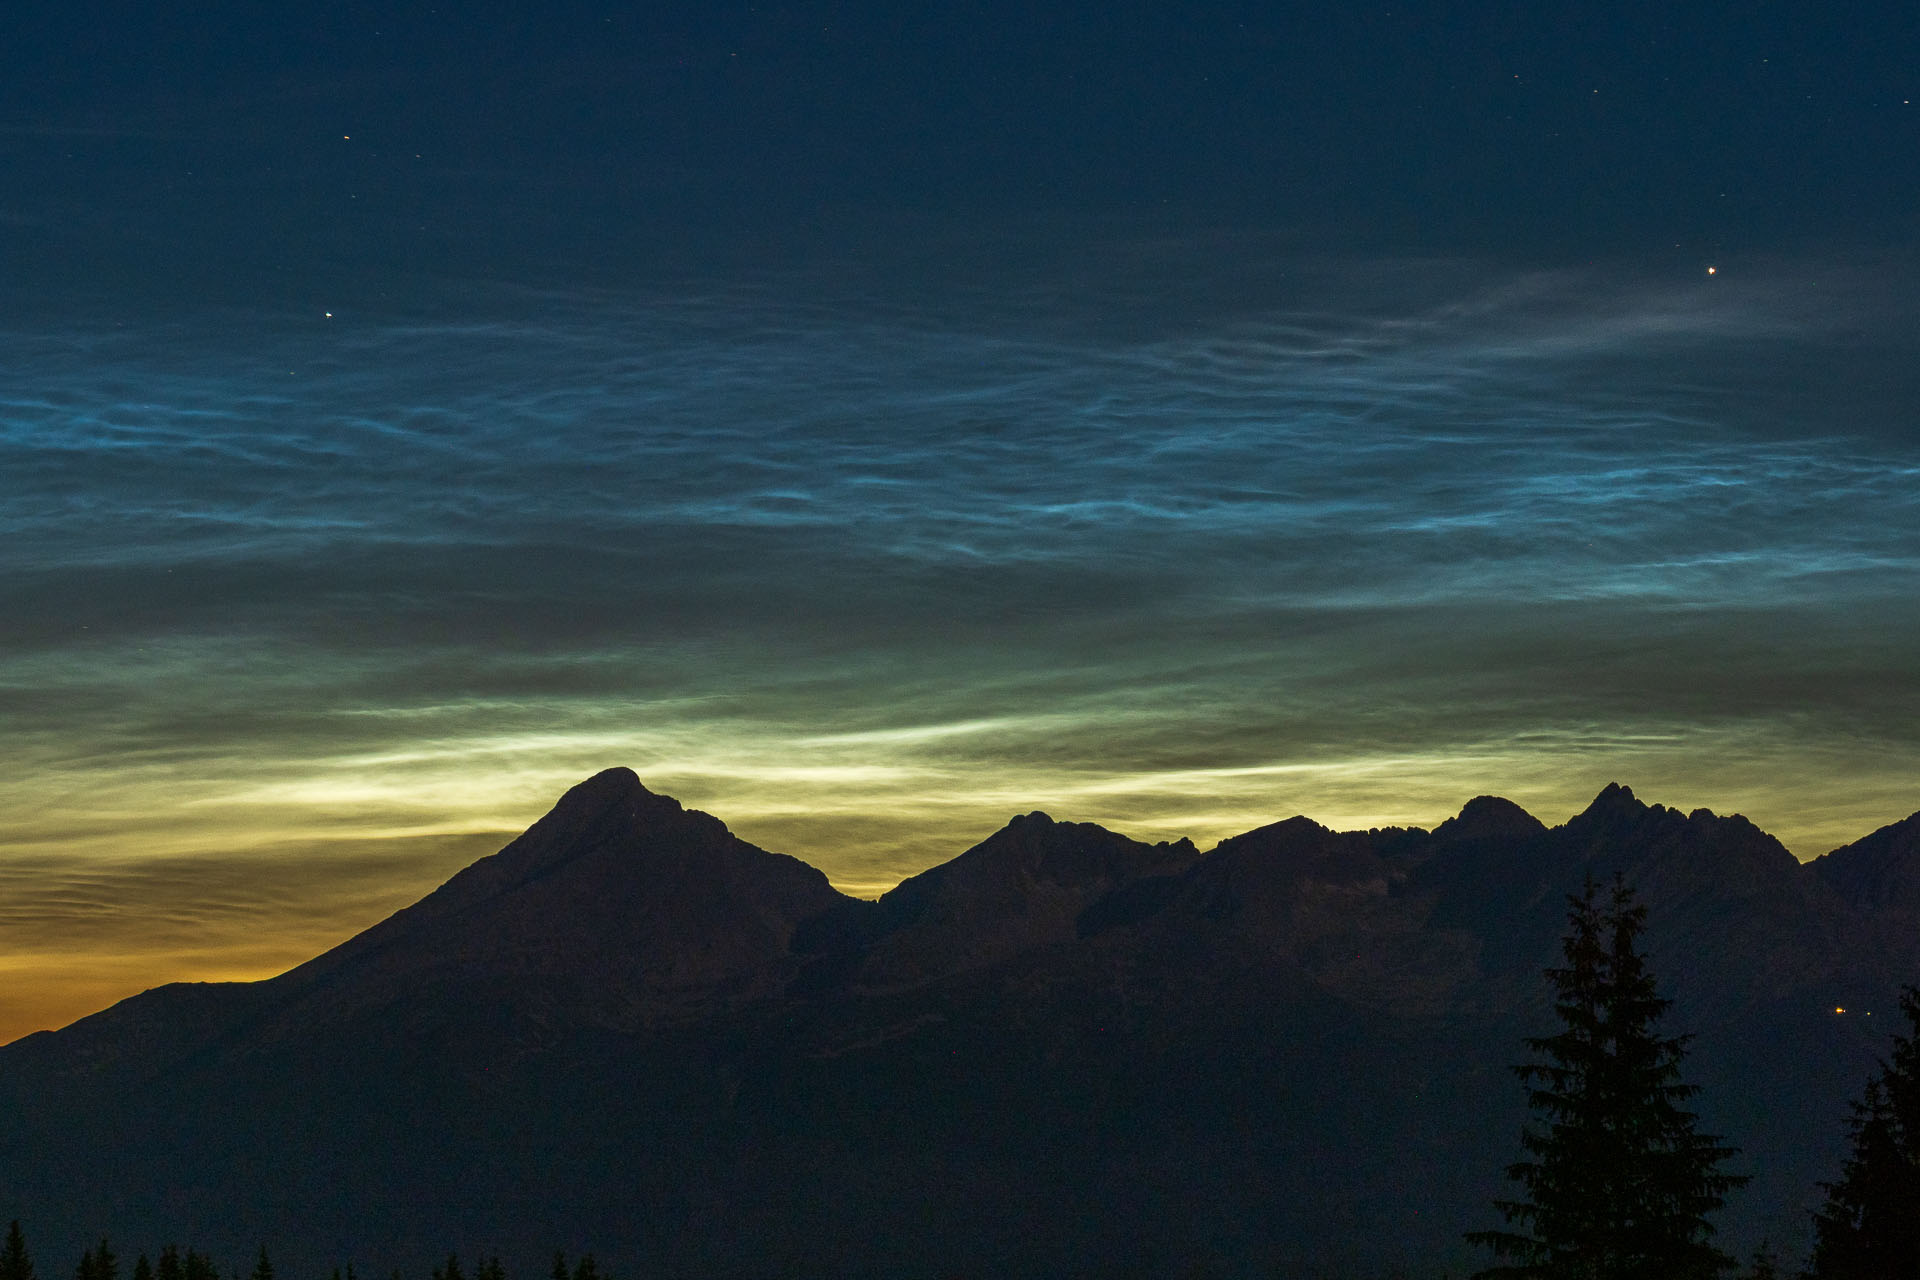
{"points": [[869, 421]]}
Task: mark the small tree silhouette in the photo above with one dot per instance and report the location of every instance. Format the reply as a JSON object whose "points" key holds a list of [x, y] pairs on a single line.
{"points": [[1616, 1184], [198, 1266], [14, 1262], [98, 1263]]}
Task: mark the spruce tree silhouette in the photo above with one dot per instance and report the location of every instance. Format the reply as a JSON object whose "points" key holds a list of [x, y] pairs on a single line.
{"points": [[1616, 1183], [198, 1266], [1870, 1224], [98, 1264], [15, 1264]]}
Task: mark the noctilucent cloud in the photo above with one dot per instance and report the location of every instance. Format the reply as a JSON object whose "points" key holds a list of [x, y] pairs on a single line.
{"points": [[328, 562]]}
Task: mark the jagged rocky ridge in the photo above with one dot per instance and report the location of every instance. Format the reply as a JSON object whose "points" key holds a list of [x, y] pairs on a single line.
{"points": [[1062, 1052]]}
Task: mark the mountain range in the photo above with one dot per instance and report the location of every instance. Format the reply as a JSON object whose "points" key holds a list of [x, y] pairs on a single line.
{"points": [[1063, 1052]]}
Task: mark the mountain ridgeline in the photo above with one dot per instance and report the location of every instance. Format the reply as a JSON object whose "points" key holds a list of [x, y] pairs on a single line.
{"points": [[1064, 1052]]}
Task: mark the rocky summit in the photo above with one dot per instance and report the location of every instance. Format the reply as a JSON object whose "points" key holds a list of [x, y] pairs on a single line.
{"points": [[1063, 1052]]}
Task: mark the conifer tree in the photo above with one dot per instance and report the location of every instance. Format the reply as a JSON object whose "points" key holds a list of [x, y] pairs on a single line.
{"points": [[263, 1266], [15, 1264], [1615, 1183], [560, 1271], [198, 1266], [168, 1267], [98, 1263], [1870, 1224]]}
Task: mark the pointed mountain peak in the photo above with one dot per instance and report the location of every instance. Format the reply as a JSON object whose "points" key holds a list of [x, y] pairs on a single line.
{"points": [[1615, 806], [1281, 839], [1296, 849], [1615, 795], [611, 791], [1022, 887], [609, 786], [1032, 858], [611, 807], [1489, 817], [637, 906], [1037, 847]]}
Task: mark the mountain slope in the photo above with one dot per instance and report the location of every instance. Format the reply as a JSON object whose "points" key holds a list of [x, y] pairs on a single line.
{"points": [[619, 910], [1878, 877]]}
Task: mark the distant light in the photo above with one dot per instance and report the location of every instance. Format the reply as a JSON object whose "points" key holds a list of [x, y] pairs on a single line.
{"points": [[1711, 270], [327, 314], [1838, 1009]]}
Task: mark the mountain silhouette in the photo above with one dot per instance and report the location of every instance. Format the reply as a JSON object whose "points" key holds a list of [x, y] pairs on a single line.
{"points": [[1062, 1052], [619, 909], [1024, 887]]}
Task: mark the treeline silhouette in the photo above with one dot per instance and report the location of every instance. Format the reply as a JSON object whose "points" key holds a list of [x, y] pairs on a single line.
{"points": [[100, 1262], [1616, 1183]]}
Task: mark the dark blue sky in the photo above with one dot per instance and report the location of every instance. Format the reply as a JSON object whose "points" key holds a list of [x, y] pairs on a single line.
{"points": [[871, 421], [481, 137]]}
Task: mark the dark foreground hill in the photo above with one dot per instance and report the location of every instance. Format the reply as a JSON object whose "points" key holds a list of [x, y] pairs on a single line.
{"points": [[1062, 1053]]}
